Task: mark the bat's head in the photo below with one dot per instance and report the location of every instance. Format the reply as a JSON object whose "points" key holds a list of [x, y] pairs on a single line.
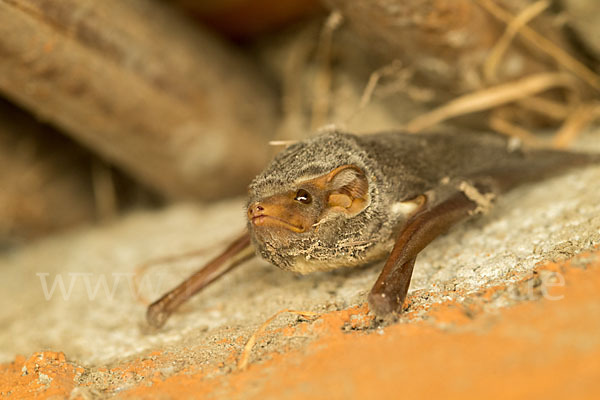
{"points": [[311, 209]]}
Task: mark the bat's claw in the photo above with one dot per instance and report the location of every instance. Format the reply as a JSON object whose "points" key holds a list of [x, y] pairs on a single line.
{"points": [[156, 315], [383, 306]]}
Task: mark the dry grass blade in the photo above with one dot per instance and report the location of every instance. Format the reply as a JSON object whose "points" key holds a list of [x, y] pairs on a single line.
{"points": [[293, 100], [575, 123], [552, 109], [513, 28], [558, 54], [507, 128], [285, 143], [486, 99], [386, 70], [322, 85], [245, 357]]}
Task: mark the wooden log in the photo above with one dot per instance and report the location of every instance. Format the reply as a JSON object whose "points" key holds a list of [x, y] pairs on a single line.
{"points": [[446, 43], [583, 17], [45, 179], [140, 85]]}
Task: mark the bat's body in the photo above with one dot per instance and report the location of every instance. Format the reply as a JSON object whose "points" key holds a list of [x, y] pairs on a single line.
{"points": [[340, 200]]}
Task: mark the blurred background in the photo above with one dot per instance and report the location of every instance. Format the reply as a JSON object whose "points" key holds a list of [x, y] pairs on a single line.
{"points": [[112, 106]]}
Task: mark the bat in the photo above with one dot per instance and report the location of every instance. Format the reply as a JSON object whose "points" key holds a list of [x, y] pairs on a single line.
{"points": [[343, 200]]}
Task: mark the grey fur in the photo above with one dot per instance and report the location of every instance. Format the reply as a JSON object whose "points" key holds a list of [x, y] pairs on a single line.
{"points": [[398, 167]]}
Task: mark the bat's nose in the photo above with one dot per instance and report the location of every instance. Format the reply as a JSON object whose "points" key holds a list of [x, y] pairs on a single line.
{"points": [[255, 210]]}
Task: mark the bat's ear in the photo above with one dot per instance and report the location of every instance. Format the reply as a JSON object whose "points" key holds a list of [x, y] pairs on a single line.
{"points": [[348, 189]]}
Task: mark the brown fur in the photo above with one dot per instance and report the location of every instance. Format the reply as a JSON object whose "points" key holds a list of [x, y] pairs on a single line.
{"points": [[398, 167]]}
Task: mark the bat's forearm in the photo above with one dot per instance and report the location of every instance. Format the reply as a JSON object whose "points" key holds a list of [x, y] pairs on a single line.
{"points": [[238, 252], [389, 292]]}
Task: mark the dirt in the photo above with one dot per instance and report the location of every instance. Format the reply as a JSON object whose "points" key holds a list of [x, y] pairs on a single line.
{"points": [[504, 305], [546, 348]]}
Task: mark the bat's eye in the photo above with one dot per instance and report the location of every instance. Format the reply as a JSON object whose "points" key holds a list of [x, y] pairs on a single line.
{"points": [[303, 197]]}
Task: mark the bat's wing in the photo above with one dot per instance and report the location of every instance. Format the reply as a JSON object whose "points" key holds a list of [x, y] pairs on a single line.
{"points": [[389, 292], [452, 203], [238, 252]]}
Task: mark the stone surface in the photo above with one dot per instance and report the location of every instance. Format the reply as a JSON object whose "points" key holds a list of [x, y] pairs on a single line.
{"points": [[474, 271]]}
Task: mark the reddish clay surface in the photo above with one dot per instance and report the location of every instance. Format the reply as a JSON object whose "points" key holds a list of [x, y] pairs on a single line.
{"points": [[535, 349], [42, 375]]}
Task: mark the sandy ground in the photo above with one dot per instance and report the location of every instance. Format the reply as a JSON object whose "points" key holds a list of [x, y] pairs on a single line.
{"points": [[494, 298]]}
